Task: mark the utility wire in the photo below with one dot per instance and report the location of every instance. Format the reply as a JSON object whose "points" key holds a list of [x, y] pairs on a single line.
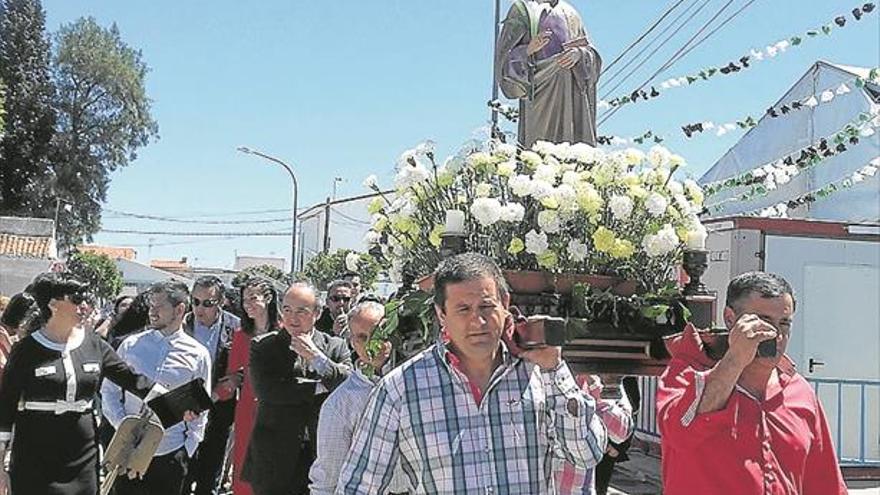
{"points": [[674, 58], [640, 38], [655, 50], [197, 234]]}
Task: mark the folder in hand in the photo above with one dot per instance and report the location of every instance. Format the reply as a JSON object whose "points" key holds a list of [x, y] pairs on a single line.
{"points": [[171, 406]]}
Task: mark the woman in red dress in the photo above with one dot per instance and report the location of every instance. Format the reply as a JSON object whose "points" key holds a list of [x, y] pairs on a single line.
{"points": [[260, 303]]}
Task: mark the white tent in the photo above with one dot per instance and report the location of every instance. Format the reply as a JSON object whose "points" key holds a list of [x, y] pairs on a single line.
{"points": [[776, 138]]}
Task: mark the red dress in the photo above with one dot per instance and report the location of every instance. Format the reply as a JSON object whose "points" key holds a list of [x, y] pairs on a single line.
{"points": [[245, 410]]}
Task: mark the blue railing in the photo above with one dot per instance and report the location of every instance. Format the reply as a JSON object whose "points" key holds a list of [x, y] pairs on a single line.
{"points": [[852, 409], [843, 395]]}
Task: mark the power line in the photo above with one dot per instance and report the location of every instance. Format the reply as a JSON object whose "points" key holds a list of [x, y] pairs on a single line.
{"points": [[204, 222], [655, 50], [640, 38], [676, 56], [197, 234]]}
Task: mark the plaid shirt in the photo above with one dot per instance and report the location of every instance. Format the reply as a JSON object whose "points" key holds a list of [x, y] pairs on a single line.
{"points": [[617, 416], [423, 414]]}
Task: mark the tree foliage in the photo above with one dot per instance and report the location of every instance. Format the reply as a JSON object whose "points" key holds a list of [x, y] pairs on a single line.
{"points": [[325, 268], [97, 270], [281, 279], [103, 118], [29, 122]]}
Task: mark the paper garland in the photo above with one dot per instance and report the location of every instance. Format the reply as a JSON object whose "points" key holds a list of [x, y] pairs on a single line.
{"points": [[768, 177], [780, 210], [744, 62]]}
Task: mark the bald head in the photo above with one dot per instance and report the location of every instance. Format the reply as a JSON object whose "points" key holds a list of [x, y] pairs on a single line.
{"points": [[300, 309], [362, 320]]}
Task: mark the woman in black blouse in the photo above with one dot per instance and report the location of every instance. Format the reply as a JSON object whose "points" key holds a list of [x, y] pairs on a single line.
{"points": [[47, 391]]}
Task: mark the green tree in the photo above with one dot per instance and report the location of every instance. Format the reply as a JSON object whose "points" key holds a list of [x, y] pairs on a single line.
{"points": [[282, 280], [103, 118], [97, 270], [29, 124], [325, 268]]}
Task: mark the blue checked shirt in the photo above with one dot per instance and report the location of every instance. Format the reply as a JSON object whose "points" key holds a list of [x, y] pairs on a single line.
{"points": [[424, 416]]}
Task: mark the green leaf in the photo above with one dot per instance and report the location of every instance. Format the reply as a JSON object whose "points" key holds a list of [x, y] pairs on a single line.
{"points": [[795, 40]]}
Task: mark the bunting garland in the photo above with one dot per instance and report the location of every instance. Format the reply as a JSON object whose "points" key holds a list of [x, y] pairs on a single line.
{"points": [[744, 62], [768, 177], [780, 210]]}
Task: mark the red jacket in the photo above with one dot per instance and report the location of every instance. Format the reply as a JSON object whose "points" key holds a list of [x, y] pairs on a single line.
{"points": [[781, 445]]}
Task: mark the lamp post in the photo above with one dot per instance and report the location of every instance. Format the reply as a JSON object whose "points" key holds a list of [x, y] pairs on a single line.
{"points": [[245, 149]]}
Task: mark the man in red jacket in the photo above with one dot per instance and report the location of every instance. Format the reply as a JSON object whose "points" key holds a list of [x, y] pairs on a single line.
{"points": [[746, 423]]}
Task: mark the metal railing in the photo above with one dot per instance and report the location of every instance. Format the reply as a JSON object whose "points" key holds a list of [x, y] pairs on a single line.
{"points": [[852, 409]]}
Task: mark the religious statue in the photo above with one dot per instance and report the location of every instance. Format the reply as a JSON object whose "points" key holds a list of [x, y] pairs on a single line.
{"points": [[544, 58]]}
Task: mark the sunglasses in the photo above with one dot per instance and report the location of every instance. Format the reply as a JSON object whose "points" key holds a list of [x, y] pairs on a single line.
{"points": [[205, 303], [79, 298], [340, 298]]}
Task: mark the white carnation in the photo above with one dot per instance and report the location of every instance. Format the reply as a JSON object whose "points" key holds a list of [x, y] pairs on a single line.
{"points": [[656, 204], [541, 189], [507, 169], [544, 147], [531, 158], [659, 156], [410, 175], [621, 207], [513, 212], [662, 242], [549, 222], [506, 149], [571, 177], [577, 251], [520, 185], [546, 173], [372, 238], [487, 211], [566, 196], [536, 243], [674, 187], [633, 156], [585, 153], [352, 260]]}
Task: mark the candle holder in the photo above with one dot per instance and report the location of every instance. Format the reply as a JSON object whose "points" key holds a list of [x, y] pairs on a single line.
{"points": [[452, 243], [697, 297]]}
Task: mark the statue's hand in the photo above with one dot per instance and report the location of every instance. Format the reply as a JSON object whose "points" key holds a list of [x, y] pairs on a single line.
{"points": [[538, 42], [569, 58]]}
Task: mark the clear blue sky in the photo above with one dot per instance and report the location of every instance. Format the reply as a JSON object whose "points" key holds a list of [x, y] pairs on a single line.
{"points": [[340, 88]]}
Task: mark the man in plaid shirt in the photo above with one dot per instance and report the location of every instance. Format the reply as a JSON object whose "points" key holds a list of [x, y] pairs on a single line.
{"points": [[465, 415]]}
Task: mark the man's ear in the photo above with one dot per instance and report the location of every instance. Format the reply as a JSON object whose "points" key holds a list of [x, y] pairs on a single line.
{"points": [[441, 315], [729, 317]]}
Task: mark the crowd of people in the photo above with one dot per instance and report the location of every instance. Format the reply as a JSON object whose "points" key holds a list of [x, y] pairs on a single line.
{"points": [[300, 406]]}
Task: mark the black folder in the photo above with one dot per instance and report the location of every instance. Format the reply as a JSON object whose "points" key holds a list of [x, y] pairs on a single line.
{"points": [[171, 406]]}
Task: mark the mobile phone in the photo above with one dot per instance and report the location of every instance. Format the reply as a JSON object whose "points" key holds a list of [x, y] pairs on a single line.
{"points": [[767, 348]]}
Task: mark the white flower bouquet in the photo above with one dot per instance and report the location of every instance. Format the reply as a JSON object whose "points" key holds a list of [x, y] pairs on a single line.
{"points": [[559, 208]]}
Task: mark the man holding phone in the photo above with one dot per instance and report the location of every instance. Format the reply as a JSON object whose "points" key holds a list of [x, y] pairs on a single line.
{"points": [[747, 422]]}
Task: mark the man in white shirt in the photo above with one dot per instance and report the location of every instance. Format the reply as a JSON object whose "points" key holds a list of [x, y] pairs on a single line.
{"points": [[166, 354]]}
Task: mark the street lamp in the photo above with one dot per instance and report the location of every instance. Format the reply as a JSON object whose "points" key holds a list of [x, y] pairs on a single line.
{"points": [[245, 149]]}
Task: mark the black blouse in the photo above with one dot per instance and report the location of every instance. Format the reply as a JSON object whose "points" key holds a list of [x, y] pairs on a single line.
{"points": [[44, 375]]}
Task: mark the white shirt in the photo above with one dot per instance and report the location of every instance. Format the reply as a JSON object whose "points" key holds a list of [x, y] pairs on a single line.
{"points": [[171, 361]]}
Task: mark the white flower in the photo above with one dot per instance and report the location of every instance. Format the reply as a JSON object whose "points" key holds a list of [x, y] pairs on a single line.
{"points": [[520, 185], [453, 164], [549, 222], [506, 149], [585, 153], [694, 191], [682, 203], [370, 182], [633, 156], [479, 159], [513, 212], [621, 207], [782, 210], [531, 158], [577, 251], [544, 147], [696, 236], [868, 170], [656, 204], [770, 183], [546, 173], [755, 54], [662, 242], [487, 211], [541, 189], [782, 45], [536, 243], [352, 260], [758, 172], [676, 161], [826, 96], [372, 238], [842, 89], [563, 151], [811, 102], [571, 177], [658, 156], [866, 132], [857, 177], [674, 187], [410, 175], [507, 169], [770, 51], [483, 190]]}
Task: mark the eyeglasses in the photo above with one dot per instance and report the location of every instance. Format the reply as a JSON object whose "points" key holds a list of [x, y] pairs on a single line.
{"points": [[340, 298], [79, 298], [206, 303]]}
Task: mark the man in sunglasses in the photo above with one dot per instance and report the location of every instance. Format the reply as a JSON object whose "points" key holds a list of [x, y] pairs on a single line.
{"points": [[209, 324], [339, 298]]}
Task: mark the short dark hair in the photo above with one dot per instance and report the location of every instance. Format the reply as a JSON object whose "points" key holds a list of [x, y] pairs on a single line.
{"points": [[766, 285], [211, 281], [176, 292], [339, 283], [48, 286], [20, 306], [119, 301], [350, 274], [463, 268]]}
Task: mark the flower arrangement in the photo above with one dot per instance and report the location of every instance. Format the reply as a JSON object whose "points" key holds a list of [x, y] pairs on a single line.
{"points": [[561, 208]]}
